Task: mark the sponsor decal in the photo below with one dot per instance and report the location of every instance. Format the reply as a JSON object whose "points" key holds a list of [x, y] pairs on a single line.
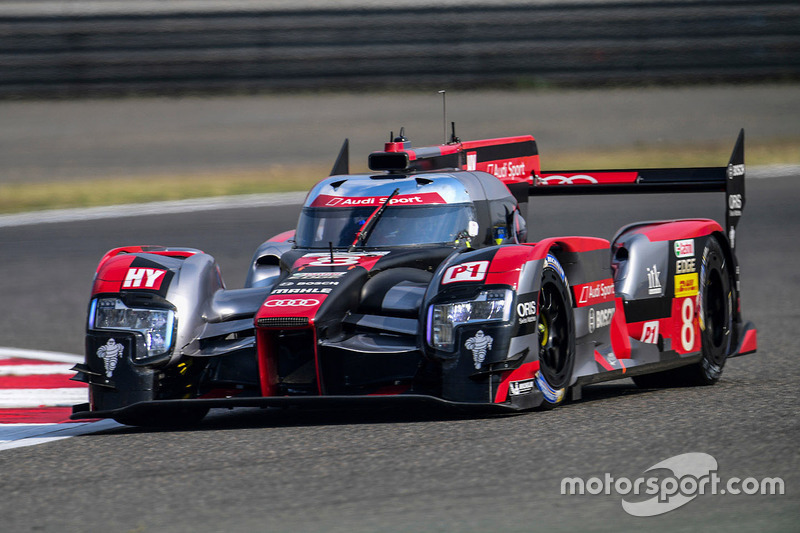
{"points": [[507, 170], [479, 345], [735, 171], [735, 205], [577, 179], [685, 266], [550, 394], [612, 359], [339, 258], [427, 198], [684, 248], [686, 285], [303, 290], [600, 318], [471, 271], [526, 312], [607, 177], [650, 332], [654, 281], [144, 278], [110, 353], [595, 293], [299, 302], [516, 388], [308, 283], [732, 237], [551, 261], [684, 328], [472, 160], [316, 275]]}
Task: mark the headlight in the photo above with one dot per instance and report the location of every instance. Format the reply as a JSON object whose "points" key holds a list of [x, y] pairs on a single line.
{"points": [[489, 305], [155, 325]]}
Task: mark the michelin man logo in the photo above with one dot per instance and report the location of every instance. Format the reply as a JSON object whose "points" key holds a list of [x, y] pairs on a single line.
{"points": [[110, 353], [479, 345]]}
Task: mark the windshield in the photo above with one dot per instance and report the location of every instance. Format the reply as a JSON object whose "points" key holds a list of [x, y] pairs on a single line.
{"points": [[398, 226]]}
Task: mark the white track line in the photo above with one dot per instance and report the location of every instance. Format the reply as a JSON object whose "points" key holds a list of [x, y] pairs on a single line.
{"points": [[18, 435], [33, 398], [35, 370], [41, 355], [21, 435], [155, 208]]}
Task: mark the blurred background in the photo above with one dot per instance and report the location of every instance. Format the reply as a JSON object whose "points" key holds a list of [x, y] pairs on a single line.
{"points": [[109, 101], [91, 47]]}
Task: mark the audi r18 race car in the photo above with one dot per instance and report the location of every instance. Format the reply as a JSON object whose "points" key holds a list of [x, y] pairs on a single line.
{"points": [[417, 283]]}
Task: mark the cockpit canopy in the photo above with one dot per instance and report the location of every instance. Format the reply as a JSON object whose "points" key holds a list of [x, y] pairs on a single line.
{"points": [[398, 225], [461, 208]]}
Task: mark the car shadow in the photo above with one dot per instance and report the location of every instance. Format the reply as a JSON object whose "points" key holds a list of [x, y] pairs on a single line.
{"points": [[255, 417], [272, 417]]}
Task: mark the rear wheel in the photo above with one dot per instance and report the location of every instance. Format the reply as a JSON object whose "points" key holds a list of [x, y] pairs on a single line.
{"points": [[556, 335], [716, 298]]}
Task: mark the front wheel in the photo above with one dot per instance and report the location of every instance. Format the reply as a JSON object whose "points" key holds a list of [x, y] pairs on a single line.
{"points": [[556, 335]]}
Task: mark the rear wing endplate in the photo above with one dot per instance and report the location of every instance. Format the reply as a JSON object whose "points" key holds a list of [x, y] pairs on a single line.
{"points": [[729, 179]]}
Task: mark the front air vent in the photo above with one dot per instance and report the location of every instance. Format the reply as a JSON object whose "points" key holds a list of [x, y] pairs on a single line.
{"points": [[282, 322]]}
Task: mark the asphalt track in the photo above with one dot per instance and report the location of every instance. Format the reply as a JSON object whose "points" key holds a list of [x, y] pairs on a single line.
{"points": [[401, 471], [253, 470]]}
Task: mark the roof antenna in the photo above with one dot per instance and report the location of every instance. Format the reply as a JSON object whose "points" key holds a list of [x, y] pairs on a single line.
{"points": [[444, 116]]}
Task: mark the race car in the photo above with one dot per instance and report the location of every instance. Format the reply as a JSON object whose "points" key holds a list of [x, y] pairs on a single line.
{"points": [[416, 283]]}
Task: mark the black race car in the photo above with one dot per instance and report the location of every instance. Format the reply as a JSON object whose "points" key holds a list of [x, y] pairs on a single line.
{"points": [[416, 283]]}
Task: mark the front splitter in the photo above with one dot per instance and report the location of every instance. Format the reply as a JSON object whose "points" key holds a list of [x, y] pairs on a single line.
{"points": [[82, 411]]}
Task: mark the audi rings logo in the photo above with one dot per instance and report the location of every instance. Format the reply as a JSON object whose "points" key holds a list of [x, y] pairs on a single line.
{"points": [[310, 302], [578, 179]]}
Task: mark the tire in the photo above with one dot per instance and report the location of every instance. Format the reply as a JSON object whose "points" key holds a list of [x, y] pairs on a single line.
{"points": [[556, 329], [180, 417], [716, 299]]}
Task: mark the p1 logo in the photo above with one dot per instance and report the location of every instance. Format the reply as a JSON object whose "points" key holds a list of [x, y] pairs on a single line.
{"points": [[472, 271]]}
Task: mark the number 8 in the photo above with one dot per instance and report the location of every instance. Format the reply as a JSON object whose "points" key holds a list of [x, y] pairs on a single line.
{"points": [[687, 329]]}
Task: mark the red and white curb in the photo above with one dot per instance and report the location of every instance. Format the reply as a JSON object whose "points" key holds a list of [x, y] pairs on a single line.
{"points": [[36, 398]]}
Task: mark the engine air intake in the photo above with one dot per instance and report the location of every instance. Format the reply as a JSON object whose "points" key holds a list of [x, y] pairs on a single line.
{"points": [[282, 322]]}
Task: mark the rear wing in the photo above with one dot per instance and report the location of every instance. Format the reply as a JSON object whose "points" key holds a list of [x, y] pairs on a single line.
{"points": [[515, 161], [729, 179]]}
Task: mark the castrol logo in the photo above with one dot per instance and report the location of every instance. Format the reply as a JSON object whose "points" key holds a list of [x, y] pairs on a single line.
{"points": [[307, 302]]}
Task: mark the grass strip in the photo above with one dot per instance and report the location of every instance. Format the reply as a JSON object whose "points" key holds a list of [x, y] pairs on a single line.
{"points": [[22, 197]]}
